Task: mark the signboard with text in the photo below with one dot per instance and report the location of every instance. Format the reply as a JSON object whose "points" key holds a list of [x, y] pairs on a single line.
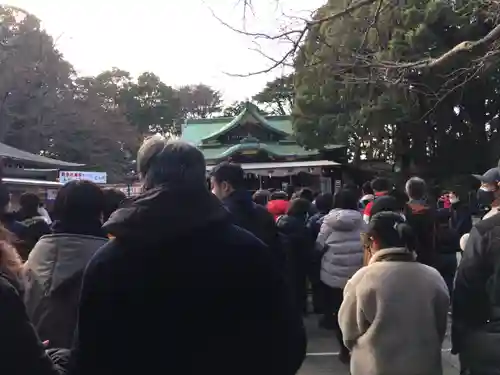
{"points": [[96, 177]]}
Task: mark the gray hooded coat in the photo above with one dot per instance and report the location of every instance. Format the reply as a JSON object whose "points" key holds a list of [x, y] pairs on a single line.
{"points": [[53, 276], [340, 236]]}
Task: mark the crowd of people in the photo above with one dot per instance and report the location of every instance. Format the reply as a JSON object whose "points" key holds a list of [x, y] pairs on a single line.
{"points": [[181, 279]]}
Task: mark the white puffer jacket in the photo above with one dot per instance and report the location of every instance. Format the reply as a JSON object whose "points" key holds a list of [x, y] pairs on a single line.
{"points": [[341, 234]]}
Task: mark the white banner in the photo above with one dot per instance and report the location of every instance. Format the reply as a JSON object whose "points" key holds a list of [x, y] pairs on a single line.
{"points": [[96, 177]]}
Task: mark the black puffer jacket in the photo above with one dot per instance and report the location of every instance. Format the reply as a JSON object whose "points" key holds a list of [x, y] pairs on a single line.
{"points": [[181, 290], [21, 351], [476, 299], [298, 246]]}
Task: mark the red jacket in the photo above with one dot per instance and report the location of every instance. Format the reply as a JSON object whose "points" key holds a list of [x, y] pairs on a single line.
{"points": [[368, 209], [277, 207]]}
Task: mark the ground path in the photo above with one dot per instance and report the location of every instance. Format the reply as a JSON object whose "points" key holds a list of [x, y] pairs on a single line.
{"points": [[323, 350]]}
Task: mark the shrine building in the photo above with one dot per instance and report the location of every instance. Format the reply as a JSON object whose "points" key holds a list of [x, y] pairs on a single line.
{"points": [[266, 149]]}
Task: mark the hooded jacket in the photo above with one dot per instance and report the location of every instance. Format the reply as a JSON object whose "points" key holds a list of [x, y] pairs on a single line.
{"points": [[422, 219], [340, 234], [177, 286], [53, 273]]}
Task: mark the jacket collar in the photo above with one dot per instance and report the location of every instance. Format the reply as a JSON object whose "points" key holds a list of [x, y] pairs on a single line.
{"points": [[166, 212], [394, 254]]}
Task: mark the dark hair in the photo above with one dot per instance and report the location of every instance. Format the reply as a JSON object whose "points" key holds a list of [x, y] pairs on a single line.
{"points": [[112, 200], [381, 184], [401, 198], [231, 173], [416, 188], [346, 199], [29, 203], [261, 197], [299, 208], [306, 194], [161, 161], [278, 195], [386, 203], [324, 202], [79, 201], [367, 188], [390, 230]]}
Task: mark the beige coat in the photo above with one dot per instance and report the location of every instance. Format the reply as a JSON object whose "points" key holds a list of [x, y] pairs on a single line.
{"points": [[393, 317]]}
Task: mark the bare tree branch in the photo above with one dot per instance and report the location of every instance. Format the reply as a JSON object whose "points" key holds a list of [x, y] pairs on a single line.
{"points": [[475, 51], [291, 52]]}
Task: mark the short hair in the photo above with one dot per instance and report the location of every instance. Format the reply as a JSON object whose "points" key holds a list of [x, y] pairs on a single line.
{"points": [[231, 173], [346, 199], [79, 201], [261, 197], [367, 188], [161, 161], [112, 200], [416, 188], [306, 194], [29, 203], [299, 207], [387, 203], [381, 184], [324, 202], [278, 195]]}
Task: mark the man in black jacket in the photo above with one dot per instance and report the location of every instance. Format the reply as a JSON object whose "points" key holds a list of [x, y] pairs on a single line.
{"points": [[180, 289], [476, 298], [228, 184]]}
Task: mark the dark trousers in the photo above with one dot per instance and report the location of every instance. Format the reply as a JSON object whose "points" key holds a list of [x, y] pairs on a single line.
{"points": [[316, 284], [446, 264], [332, 299]]}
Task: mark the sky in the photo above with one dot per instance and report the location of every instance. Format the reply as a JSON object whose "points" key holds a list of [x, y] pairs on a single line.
{"points": [[180, 40]]}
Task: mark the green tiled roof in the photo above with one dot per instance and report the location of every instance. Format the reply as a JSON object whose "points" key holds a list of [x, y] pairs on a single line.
{"points": [[197, 130], [194, 131]]}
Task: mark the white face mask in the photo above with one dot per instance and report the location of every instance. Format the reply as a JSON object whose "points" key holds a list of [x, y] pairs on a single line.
{"points": [[454, 200]]}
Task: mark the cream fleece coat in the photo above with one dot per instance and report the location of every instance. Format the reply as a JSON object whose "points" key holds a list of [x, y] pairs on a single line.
{"points": [[393, 317]]}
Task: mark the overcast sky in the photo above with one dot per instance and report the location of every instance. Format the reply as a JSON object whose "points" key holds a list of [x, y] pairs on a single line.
{"points": [[179, 40]]}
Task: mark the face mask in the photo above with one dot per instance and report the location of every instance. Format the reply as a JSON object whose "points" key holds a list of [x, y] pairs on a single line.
{"points": [[485, 197], [454, 200]]}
